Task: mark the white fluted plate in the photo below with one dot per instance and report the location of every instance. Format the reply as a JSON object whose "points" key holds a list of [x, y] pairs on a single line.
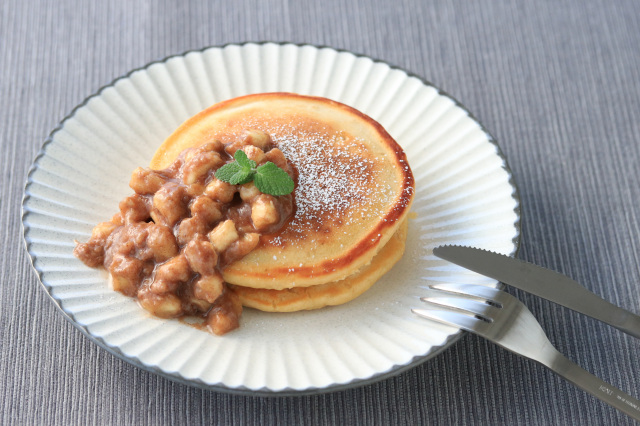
{"points": [[464, 195]]}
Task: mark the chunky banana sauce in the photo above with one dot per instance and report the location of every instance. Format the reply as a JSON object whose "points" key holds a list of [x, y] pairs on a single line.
{"points": [[172, 238]]}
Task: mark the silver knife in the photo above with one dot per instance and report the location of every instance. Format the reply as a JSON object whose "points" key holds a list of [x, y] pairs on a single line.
{"points": [[541, 282]]}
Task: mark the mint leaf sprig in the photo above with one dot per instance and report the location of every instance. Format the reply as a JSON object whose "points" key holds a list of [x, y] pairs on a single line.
{"points": [[238, 172], [268, 178]]}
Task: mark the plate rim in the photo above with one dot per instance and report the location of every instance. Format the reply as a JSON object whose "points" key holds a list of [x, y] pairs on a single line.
{"points": [[288, 391]]}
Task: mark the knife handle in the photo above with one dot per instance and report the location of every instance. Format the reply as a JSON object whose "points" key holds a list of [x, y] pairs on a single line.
{"points": [[590, 304], [629, 323]]}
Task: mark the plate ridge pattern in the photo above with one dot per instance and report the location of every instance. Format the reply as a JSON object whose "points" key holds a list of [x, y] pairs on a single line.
{"points": [[331, 349]]}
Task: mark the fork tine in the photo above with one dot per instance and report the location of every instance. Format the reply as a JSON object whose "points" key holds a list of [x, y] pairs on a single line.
{"points": [[453, 318], [475, 290], [466, 305], [517, 330]]}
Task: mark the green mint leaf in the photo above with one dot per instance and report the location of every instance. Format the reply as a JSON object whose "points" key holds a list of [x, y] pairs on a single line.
{"points": [[268, 178], [225, 172], [243, 160], [234, 174], [245, 176], [271, 179]]}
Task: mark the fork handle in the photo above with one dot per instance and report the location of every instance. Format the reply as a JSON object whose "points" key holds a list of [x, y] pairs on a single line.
{"points": [[595, 386]]}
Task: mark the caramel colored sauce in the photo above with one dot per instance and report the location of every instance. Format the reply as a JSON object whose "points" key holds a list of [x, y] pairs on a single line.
{"points": [[171, 239]]}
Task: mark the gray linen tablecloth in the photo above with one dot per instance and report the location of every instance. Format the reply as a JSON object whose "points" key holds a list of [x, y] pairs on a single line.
{"points": [[557, 84]]}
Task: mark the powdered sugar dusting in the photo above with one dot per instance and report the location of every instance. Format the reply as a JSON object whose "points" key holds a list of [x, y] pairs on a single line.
{"points": [[343, 185], [335, 174]]}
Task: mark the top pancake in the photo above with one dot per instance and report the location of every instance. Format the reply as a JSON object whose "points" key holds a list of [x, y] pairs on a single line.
{"points": [[353, 188]]}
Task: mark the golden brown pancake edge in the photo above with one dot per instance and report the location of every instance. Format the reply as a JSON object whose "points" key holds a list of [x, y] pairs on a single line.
{"points": [[330, 294], [269, 274]]}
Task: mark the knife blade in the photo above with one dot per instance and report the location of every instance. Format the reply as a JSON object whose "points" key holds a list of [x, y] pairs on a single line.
{"points": [[541, 282]]}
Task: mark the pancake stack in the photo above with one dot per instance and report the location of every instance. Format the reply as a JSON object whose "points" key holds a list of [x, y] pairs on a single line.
{"points": [[354, 189]]}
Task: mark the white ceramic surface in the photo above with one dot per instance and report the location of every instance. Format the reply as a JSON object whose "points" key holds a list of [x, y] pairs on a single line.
{"points": [[464, 195]]}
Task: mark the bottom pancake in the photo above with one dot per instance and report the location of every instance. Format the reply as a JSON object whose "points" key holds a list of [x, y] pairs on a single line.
{"points": [[333, 293]]}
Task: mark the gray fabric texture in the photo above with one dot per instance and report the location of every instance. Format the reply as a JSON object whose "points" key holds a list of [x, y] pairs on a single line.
{"points": [[556, 83]]}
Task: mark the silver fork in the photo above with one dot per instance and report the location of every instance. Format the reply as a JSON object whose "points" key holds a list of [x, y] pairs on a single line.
{"points": [[501, 318]]}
